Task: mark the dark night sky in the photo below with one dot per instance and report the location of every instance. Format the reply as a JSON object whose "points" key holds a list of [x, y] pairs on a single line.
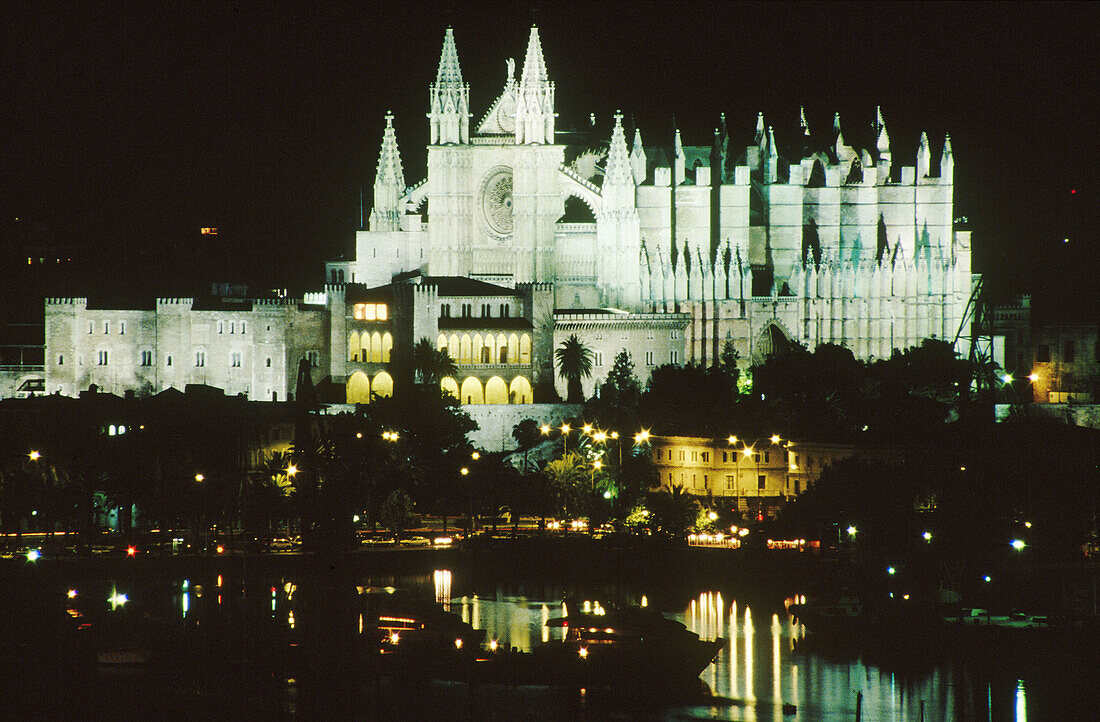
{"points": [[130, 127]]}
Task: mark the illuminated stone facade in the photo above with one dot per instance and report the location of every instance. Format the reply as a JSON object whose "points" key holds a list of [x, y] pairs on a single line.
{"points": [[747, 244], [248, 347]]}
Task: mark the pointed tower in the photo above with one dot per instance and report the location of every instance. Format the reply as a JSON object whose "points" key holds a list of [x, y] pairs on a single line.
{"points": [[924, 158], [535, 97], [449, 99], [771, 158], [389, 183], [805, 131], [618, 233], [679, 161], [638, 159], [947, 162], [882, 145]]}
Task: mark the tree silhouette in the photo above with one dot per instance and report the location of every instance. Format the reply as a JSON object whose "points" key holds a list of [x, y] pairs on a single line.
{"points": [[574, 364]]}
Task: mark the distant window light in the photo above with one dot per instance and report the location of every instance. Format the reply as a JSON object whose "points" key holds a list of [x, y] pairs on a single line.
{"points": [[370, 312], [208, 231], [695, 456]]}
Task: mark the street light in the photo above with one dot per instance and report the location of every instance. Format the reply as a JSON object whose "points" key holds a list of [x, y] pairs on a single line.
{"points": [[200, 478], [291, 470], [34, 456]]}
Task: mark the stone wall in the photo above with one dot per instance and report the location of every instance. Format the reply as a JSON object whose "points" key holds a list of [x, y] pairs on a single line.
{"points": [[496, 421]]}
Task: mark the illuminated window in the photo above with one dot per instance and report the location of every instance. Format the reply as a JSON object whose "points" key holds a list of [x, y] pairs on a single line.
{"points": [[729, 481], [695, 456], [383, 312], [370, 312]]}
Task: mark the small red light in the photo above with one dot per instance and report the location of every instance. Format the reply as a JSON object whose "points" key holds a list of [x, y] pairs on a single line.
{"points": [[1072, 191], [273, 590], [131, 551]]}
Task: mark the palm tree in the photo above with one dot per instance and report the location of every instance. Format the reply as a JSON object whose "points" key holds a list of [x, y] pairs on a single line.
{"points": [[574, 364], [431, 365], [568, 481]]}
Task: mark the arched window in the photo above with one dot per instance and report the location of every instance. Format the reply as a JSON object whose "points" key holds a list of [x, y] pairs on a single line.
{"points": [[449, 386], [520, 391], [476, 349], [387, 346], [358, 388], [453, 348], [496, 392], [489, 351], [376, 347], [525, 350], [513, 349], [502, 348], [442, 343], [353, 346], [471, 392], [464, 355], [382, 385]]}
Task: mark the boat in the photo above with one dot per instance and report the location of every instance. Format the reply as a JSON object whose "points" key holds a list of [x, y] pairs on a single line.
{"points": [[608, 646]]}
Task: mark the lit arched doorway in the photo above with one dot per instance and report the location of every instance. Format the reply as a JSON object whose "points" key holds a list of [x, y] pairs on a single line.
{"points": [[520, 391], [471, 392], [358, 388], [449, 386], [382, 385], [496, 392]]}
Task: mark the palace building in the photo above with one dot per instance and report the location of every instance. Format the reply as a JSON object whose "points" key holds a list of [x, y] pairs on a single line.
{"points": [[519, 234]]}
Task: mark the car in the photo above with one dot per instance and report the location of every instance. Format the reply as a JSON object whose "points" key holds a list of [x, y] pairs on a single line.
{"points": [[416, 541], [282, 544]]}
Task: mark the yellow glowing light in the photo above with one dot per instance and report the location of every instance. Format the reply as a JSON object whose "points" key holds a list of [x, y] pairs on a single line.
{"points": [[545, 429], [464, 471], [597, 464], [34, 456], [395, 638], [732, 439], [614, 434], [583, 652], [775, 438], [199, 477], [476, 455], [747, 451], [493, 646], [291, 470], [359, 434], [72, 594], [458, 644], [565, 428], [712, 515], [586, 429], [1033, 378], [599, 436]]}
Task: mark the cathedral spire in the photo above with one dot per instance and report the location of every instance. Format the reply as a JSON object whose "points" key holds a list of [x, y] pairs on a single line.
{"points": [[617, 171], [924, 157], [638, 159], [760, 138], [449, 98], [535, 97], [947, 161], [678, 160], [389, 182], [883, 142], [772, 158]]}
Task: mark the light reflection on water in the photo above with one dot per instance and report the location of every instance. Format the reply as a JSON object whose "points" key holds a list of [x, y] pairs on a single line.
{"points": [[763, 666]]}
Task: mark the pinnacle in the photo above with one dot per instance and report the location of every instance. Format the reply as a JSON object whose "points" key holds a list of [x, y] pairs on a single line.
{"points": [[534, 67], [618, 170], [449, 71], [389, 158]]}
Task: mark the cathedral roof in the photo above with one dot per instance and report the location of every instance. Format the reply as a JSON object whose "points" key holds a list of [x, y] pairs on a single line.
{"points": [[461, 286]]}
